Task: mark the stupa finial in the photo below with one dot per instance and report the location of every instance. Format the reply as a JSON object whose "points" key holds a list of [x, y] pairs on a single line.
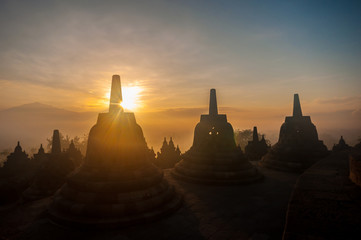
{"points": [[297, 112], [115, 94], [18, 147], [213, 109], [255, 134]]}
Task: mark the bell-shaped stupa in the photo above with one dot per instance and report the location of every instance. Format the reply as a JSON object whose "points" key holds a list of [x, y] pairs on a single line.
{"points": [[214, 157], [15, 176], [341, 146], [168, 156], [298, 146], [116, 185], [256, 148]]}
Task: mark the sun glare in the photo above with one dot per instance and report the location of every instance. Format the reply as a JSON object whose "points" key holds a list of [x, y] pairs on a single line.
{"points": [[131, 97]]}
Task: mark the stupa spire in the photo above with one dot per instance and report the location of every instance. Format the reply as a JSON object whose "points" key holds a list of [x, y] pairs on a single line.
{"points": [[41, 149], [115, 94], [18, 148], [297, 112], [213, 109], [55, 148], [342, 141], [255, 134]]}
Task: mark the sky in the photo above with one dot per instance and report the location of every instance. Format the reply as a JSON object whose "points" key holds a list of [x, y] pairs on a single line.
{"points": [[257, 54]]}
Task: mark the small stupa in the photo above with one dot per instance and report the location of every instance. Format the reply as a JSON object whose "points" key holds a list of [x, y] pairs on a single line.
{"points": [[341, 146], [16, 161], [15, 176], [40, 158], [51, 174], [256, 148], [169, 155], [214, 157], [74, 154], [117, 185], [298, 146]]}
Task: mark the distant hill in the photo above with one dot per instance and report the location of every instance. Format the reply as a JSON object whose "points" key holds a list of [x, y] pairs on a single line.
{"points": [[32, 123]]}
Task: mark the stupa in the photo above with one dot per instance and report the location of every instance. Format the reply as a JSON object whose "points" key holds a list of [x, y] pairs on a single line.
{"points": [[15, 176], [117, 185], [40, 158], [341, 146], [74, 154], [51, 174], [169, 155], [256, 148], [298, 146], [214, 157], [16, 161]]}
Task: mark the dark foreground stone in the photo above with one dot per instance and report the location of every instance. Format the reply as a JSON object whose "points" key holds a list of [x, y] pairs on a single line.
{"points": [[325, 203], [255, 211]]}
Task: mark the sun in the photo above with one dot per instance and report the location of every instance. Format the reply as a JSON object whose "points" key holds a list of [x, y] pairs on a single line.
{"points": [[131, 97]]}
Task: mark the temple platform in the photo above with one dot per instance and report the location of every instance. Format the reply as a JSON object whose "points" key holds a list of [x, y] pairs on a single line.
{"points": [[256, 211], [325, 203]]}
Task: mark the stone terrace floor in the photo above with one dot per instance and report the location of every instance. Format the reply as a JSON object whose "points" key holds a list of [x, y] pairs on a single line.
{"points": [[254, 211], [325, 203]]}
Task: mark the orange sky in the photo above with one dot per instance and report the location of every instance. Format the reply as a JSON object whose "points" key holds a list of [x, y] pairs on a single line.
{"points": [[256, 56]]}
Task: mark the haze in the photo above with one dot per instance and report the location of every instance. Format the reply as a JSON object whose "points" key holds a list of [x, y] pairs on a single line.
{"points": [[257, 54]]}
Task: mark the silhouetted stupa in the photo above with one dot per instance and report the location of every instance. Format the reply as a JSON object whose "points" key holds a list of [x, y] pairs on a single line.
{"points": [[15, 176], [40, 158], [117, 185], [256, 148], [16, 160], [341, 146], [41, 151], [55, 146], [51, 175], [298, 146], [74, 154], [169, 155], [214, 157]]}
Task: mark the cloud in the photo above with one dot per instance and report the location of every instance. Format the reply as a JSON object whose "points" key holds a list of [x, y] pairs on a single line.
{"points": [[341, 100], [357, 113], [66, 52]]}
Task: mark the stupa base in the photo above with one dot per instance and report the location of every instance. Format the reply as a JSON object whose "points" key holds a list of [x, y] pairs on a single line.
{"points": [[63, 219], [216, 175], [96, 199], [210, 181], [287, 165], [33, 194]]}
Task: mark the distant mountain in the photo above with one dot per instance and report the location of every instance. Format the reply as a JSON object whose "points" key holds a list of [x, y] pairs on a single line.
{"points": [[32, 106], [32, 123]]}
